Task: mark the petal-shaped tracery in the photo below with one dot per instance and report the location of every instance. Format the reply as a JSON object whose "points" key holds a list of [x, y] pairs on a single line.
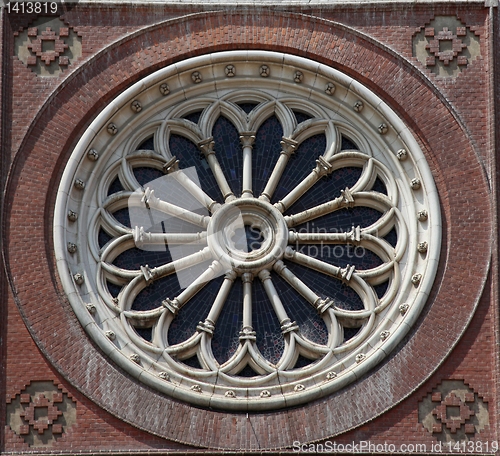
{"points": [[250, 238]]}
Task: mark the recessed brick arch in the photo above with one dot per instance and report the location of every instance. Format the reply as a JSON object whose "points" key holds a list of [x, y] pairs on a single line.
{"points": [[30, 200]]}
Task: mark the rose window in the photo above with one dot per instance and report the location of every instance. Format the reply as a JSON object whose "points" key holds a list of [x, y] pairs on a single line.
{"points": [[247, 231]]}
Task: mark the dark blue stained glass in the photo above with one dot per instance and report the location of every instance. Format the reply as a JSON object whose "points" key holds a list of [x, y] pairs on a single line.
{"points": [[103, 238], [189, 156], [348, 144], [270, 340], [302, 162], [392, 237], [266, 151], [145, 175], [195, 310], [325, 286], [247, 371], [341, 221], [248, 239], [381, 288], [341, 255], [134, 258], [193, 117], [229, 324], [114, 290], [311, 325], [145, 333], [192, 362], [349, 333], [248, 107], [229, 152], [151, 296], [115, 187], [149, 144], [122, 216], [302, 361], [327, 188], [301, 116], [379, 186]]}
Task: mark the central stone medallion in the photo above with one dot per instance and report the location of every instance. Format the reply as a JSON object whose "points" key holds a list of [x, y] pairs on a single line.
{"points": [[265, 230]]}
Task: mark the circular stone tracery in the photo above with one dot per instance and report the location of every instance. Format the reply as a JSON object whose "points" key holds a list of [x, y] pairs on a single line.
{"points": [[285, 322]]}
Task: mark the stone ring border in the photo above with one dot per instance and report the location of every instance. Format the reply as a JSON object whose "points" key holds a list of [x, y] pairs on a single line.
{"points": [[207, 61], [58, 355]]}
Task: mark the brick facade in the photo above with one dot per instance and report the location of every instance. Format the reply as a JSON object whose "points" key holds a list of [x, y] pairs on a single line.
{"points": [[453, 345]]}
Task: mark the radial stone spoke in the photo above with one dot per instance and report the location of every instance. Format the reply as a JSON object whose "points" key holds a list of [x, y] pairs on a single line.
{"points": [[286, 324], [142, 237], [247, 331], [247, 139], [323, 167], [172, 168], [288, 147], [354, 235], [209, 324], [318, 265], [297, 284], [207, 148], [152, 202], [345, 200], [182, 263], [175, 304]]}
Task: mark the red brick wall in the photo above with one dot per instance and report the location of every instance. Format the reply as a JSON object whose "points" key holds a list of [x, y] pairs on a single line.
{"points": [[96, 429], [451, 118], [495, 102]]}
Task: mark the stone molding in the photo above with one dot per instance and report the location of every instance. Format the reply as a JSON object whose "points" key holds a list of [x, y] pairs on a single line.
{"points": [[462, 243]]}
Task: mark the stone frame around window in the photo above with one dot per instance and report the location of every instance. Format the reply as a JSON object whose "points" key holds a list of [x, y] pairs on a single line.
{"points": [[340, 105]]}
